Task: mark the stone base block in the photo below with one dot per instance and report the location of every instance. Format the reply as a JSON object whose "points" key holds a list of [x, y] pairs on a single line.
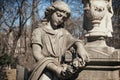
{"points": [[98, 75], [104, 63]]}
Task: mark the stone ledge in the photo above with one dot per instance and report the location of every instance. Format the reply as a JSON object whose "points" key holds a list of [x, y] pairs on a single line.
{"points": [[104, 64], [103, 54]]}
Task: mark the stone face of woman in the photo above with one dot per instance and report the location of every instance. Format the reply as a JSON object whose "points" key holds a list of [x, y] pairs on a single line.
{"points": [[58, 18]]}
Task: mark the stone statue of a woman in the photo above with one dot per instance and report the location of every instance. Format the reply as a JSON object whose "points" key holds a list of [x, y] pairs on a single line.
{"points": [[53, 46]]}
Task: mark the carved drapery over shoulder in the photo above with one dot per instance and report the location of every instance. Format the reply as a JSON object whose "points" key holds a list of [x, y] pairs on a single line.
{"points": [[97, 17]]}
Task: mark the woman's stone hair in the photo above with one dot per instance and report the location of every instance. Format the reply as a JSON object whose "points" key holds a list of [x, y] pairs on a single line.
{"points": [[57, 6]]}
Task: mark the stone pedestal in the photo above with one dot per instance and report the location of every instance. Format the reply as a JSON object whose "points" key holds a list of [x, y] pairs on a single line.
{"points": [[104, 63], [98, 75]]}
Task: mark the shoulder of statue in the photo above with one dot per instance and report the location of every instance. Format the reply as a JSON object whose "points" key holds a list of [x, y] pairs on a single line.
{"points": [[37, 32], [65, 31], [39, 27]]}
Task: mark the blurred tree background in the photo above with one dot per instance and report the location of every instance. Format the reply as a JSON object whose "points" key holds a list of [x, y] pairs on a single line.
{"points": [[18, 18]]}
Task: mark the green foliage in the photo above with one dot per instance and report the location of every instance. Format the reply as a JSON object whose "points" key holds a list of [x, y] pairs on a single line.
{"points": [[6, 59]]}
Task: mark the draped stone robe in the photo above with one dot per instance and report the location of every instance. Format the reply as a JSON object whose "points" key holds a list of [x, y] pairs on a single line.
{"points": [[53, 44]]}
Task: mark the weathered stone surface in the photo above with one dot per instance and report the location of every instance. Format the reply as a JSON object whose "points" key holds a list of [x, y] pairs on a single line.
{"points": [[103, 65], [99, 51], [22, 73], [98, 75]]}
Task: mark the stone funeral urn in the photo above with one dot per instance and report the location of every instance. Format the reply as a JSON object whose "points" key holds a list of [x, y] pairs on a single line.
{"points": [[104, 60]]}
